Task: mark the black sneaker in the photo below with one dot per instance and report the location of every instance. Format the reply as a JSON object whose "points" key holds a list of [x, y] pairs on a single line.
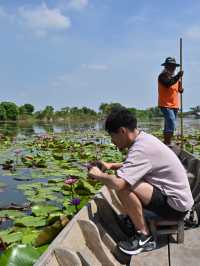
{"points": [[125, 224], [135, 244]]}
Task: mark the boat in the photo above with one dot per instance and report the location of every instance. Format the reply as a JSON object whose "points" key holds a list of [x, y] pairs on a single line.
{"points": [[91, 237]]}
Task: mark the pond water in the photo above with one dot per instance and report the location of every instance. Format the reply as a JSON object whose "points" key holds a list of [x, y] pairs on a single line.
{"points": [[11, 194], [190, 125]]}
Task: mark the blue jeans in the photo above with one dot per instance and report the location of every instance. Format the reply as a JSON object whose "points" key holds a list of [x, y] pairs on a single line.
{"points": [[170, 118]]}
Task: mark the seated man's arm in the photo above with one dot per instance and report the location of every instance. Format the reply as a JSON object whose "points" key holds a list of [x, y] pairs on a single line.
{"points": [[108, 166], [111, 181], [116, 166]]}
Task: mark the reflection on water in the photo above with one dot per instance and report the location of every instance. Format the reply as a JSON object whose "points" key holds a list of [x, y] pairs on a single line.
{"points": [[28, 129], [191, 125]]}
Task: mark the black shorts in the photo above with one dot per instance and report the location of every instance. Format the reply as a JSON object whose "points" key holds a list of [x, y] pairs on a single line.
{"points": [[159, 205]]}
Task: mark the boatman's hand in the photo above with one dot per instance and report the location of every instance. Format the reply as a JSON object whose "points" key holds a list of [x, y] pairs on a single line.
{"points": [[180, 73], [95, 173], [181, 90]]}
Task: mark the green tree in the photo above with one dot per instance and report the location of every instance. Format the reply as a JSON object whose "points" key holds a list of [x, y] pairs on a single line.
{"points": [[74, 110], [38, 115], [26, 109], [154, 112], [12, 110], [133, 110], [106, 108], [2, 113], [48, 112], [64, 112], [87, 111]]}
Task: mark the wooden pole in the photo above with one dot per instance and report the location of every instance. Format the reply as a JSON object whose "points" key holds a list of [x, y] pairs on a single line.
{"points": [[181, 97]]}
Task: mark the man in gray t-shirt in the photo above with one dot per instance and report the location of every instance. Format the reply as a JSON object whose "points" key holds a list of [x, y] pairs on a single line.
{"points": [[151, 177]]}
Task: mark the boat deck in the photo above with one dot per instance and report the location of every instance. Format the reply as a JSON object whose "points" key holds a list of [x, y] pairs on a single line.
{"points": [[172, 254], [90, 239]]}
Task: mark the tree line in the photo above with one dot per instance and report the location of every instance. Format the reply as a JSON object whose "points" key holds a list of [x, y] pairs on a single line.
{"points": [[10, 111]]}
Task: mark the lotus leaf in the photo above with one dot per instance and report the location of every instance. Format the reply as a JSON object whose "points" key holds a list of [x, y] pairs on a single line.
{"points": [[29, 186], [84, 188], [29, 193], [53, 217], [12, 214], [5, 232], [43, 210], [31, 221], [11, 237], [29, 236], [65, 165], [56, 180], [36, 199], [22, 178], [57, 188], [66, 192], [57, 156], [77, 173], [50, 232], [49, 196], [21, 255]]}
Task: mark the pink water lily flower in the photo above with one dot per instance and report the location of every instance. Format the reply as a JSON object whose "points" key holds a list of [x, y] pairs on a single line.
{"points": [[70, 181], [17, 151]]}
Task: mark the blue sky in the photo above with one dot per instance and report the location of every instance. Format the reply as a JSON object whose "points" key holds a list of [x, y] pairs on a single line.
{"points": [[85, 52]]}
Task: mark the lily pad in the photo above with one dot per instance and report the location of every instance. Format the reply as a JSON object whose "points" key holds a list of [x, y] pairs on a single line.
{"points": [[12, 214], [21, 255], [56, 180], [84, 188], [12, 237], [50, 232], [22, 178], [29, 236], [31, 221], [76, 172], [43, 210]]}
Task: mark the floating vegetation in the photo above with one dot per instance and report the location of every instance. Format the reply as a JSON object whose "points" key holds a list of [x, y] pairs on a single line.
{"points": [[51, 173]]}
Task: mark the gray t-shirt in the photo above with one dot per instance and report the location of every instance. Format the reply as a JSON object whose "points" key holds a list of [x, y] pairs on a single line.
{"points": [[152, 161]]}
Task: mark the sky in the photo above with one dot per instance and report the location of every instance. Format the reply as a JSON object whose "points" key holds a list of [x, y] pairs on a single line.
{"points": [[85, 52]]}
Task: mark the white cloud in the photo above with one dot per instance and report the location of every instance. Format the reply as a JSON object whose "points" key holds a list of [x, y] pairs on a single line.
{"points": [[96, 67], [78, 4], [193, 32], [42, 19]]}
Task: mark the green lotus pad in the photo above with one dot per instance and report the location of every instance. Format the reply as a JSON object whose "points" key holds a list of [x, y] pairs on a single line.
{"points": [[11, 237], [12, 214], [56, 180], [43, 210], [29, 236], [31, 221], [21, 255]]}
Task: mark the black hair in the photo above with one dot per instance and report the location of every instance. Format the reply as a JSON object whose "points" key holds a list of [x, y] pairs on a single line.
{"points": [[120, 117]]}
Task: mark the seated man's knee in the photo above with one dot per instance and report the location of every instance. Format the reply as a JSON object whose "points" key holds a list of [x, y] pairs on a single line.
{"points": [[123, 192]]}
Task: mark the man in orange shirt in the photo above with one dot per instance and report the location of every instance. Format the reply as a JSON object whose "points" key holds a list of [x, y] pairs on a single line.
{"points": [[168, 96]]}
